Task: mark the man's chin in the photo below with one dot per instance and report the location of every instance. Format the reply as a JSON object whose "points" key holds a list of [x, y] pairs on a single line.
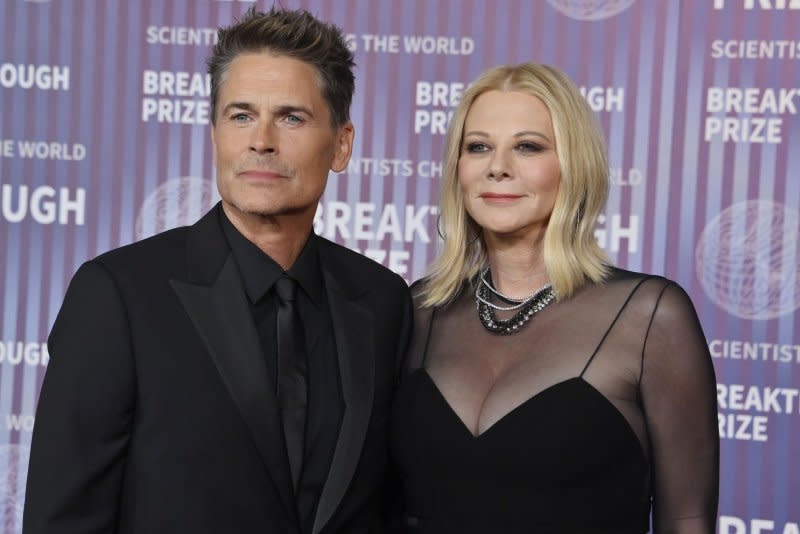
{"points": [[268, 211]]}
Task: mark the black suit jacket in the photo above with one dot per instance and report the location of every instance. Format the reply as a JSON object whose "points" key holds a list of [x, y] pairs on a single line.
{"points": [[157, 413]]}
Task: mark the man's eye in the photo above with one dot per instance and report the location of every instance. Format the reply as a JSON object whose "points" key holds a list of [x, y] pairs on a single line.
{"points": [[293, 119], [239, 117]]}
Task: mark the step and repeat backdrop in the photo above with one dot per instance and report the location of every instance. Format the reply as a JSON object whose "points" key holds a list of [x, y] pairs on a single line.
{"points": [[104, 140]]}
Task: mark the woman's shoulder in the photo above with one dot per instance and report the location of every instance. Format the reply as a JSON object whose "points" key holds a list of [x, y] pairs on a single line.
{"points": [[419, 294], [423, 322], [649, 292], [619, 279]]}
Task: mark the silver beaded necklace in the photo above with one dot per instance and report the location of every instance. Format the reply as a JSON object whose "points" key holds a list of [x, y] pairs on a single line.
{"points": [[518, 302], [528, 306]]}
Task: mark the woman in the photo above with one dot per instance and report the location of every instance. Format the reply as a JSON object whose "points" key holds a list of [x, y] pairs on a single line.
{"points": [[547, 391]]}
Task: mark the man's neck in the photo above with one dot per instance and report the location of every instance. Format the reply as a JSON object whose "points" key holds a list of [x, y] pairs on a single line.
{"points": [[281, 237]]}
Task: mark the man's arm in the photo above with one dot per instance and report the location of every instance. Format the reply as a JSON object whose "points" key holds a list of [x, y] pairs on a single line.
{"points": [[85, 412], [392, 491]]}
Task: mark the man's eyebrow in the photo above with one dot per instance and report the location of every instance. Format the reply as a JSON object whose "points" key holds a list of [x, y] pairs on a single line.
{"points": [[280, 110], [245, 106], [293, 108]]}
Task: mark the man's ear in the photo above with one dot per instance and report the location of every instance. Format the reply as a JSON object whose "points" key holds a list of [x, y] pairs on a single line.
{"points": [[212, 131], [344, 147]]}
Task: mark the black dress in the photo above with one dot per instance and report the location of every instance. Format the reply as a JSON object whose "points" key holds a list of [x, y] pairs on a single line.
{"points": [[602, 403]]}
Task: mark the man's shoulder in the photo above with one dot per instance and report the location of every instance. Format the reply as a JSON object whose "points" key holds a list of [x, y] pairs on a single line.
{"points": [[358, 266], [158, 250]]}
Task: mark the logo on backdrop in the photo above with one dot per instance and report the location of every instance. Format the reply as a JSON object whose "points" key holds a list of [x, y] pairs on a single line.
{"points": [[758, 4], [411, 44], [729, 524], [745, 410], [180, 35], [188, 94], [33, 353], [31, 76], [13, 472], [380, 226], [591, 9], [44, 204], [761, 351], [437, 94], [747, 260], [755, 49], [748, 114], [178, 202], [604, 98], [611, 230]]}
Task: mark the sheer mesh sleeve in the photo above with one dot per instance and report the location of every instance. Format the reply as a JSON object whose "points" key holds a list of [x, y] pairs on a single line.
{"points": [[417, 349], [678, 390]]}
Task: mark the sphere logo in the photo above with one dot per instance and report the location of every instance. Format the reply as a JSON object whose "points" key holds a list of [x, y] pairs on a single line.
{"points": [[747, 260], [13, 473], [178, 202], [591, 9]]}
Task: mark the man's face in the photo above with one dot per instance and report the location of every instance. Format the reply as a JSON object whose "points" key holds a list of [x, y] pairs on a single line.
{"points": [[274, 142]]}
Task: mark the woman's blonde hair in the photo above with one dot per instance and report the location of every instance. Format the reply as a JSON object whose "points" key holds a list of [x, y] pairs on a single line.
{"points": [[571, 253]]}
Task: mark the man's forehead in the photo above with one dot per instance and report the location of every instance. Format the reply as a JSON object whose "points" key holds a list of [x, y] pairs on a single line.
{"points": [[249, 70], [268, 65]]}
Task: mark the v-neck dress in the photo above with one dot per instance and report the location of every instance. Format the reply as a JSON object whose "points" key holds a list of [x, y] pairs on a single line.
{"points": [[577, 448]]}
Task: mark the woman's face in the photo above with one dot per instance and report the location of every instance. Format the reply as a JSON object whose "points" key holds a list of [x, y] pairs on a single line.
{"points": [[508, 168]]}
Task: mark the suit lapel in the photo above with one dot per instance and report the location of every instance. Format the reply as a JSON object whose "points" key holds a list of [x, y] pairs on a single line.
{"points": [[353, 330], [214, 298]]}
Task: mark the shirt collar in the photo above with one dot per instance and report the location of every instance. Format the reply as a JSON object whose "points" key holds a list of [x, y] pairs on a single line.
{"points": [[260, 272]]}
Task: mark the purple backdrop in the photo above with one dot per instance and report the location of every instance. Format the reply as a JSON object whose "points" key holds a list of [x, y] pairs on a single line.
{"points": [[104, 140]]}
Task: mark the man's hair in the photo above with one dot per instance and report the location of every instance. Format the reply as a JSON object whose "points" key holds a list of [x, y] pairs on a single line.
{"points": [[295, 34], [571, 253]]}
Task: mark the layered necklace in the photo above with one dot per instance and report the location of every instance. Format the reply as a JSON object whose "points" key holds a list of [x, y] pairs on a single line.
{"points": [[526, 307]]}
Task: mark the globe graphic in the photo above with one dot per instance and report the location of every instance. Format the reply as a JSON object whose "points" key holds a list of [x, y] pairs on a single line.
{"points": [[177, 202], [747, 260], [13, 472], [591, 9]]}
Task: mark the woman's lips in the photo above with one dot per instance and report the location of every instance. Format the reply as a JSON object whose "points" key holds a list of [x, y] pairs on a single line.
{"points": [[499, 197]]}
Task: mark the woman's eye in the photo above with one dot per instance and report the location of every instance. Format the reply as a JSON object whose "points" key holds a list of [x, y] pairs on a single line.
{"points": [[476, 147], [529, 147]]}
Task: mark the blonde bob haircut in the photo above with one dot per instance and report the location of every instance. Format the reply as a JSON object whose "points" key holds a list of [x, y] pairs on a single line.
{"points": [[571, 253]]}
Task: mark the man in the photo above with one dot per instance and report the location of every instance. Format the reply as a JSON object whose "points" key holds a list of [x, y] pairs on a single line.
{"points": [[235, 375]]}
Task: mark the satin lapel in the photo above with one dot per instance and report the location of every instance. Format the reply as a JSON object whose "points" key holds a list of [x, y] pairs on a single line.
{"points": [[222, 317], [353, 330]]}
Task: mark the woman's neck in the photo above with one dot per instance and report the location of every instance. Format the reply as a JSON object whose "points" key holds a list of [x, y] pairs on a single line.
{"points": [[518, 267]]}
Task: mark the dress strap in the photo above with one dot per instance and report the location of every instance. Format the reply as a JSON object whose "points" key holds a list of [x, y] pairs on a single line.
{"points": [[608, 331], [647, 336]]}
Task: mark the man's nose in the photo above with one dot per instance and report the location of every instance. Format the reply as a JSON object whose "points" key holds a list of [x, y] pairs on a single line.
{"points": [[264, 139]]}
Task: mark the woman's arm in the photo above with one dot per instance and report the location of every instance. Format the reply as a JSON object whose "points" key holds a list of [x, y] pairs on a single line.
{"points": [[678, 390]]}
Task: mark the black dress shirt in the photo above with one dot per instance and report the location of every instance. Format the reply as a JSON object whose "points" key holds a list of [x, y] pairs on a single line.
{"points": [[259, 273]]}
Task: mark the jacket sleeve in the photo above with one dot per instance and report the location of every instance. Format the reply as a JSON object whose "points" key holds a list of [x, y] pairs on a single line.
{"points": [[392, 505], [85, 412]]}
